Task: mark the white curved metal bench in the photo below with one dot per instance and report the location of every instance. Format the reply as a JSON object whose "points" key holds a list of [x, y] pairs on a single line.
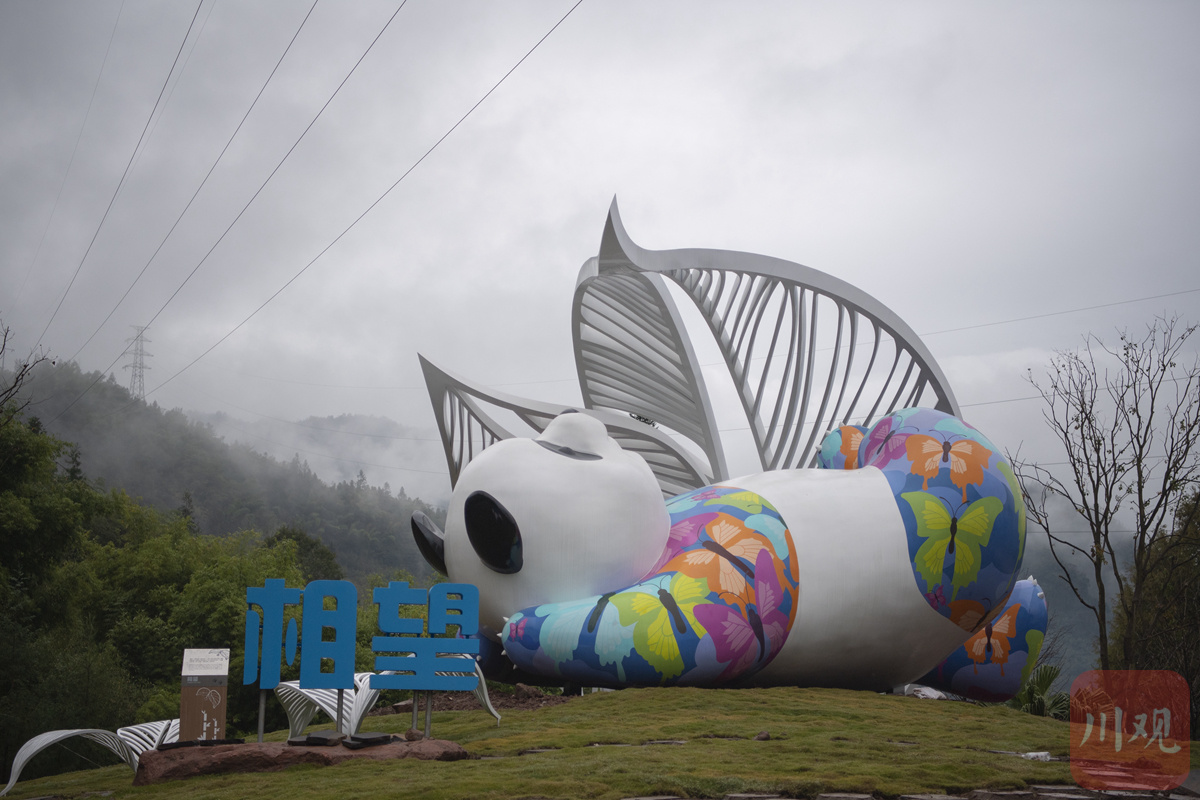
{"points": [[128, 743], [302, 705]]}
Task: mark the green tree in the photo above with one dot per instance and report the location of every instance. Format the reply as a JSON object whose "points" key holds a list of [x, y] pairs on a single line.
{"points": [[99, 596], [317, 561], [53, 670], [39, 517], [1166, 632]]}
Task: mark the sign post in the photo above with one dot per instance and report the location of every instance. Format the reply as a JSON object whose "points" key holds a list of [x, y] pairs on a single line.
{"points": [[202, 697]]}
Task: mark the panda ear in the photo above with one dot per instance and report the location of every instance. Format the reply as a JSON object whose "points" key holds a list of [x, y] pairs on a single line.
{"points": [[430, 541]]}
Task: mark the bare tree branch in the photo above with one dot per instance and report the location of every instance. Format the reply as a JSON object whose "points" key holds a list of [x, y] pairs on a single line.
{"points": [[12, 381], [1128, 419]]}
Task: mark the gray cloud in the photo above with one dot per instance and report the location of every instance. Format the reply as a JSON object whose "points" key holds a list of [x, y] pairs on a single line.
{"points": [[963, 163]]}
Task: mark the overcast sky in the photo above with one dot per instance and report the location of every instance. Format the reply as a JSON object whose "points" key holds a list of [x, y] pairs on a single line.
{"points": [[963, 162]]}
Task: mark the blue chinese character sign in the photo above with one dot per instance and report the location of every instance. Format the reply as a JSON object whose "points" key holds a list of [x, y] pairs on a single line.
{"points": [[408, 649], [413, 658], [342, 619], [272, 598]]}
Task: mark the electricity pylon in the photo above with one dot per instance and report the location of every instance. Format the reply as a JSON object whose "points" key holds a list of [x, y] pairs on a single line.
{"points": [[137, 379]]}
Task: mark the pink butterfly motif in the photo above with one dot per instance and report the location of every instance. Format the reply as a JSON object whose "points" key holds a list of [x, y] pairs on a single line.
{"points": [[684, 534], [745, 642], [768, 597], [737, 641], [937, 598], [883, 445]]}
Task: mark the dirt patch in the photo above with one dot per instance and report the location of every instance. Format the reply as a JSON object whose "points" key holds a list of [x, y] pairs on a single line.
{"points": [[156, 766], [522, 697]]}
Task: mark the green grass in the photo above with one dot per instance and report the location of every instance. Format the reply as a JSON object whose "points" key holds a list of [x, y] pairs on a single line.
{"points": [[821, 740]]}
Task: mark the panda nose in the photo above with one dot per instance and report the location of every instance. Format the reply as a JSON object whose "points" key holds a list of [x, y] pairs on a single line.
{"points": [[493, 533]]}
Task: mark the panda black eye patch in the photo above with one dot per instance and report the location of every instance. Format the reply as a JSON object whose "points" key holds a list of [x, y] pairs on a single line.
{"points": [[493, 533]]}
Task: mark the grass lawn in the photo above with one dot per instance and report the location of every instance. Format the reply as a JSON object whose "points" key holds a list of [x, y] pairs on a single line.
{"points": [[820, 740]]}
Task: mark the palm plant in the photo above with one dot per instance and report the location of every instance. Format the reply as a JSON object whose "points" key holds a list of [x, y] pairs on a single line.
{"points": [[1037, 698]]}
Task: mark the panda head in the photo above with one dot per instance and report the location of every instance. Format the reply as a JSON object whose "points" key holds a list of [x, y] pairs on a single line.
{"points": [[564, 516]]}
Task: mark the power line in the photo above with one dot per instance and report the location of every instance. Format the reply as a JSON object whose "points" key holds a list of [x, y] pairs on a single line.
{"points": [[178, 78], [1039, 397], [221, 238], [1060, 313], [124, 175], [998, 402], [373, 205], [195, 194], [572, 380], [272, 175]]}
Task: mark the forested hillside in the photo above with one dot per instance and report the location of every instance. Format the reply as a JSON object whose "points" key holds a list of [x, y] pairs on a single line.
{"points": [[100, 595], [170, 463], [129, 533]]}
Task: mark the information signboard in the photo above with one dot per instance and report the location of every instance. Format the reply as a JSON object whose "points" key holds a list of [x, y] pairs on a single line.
{"points": [[202, 699]]}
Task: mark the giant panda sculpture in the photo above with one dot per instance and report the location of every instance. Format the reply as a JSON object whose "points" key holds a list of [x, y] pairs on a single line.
{"points": [[865, 573]]}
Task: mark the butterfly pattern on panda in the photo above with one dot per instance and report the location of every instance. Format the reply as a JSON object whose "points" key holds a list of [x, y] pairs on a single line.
{"points": [[991, 645], [951, 533], [852, 437], [718, 606], [993, 664], [883, 444], [965, 458], [961, 505]]}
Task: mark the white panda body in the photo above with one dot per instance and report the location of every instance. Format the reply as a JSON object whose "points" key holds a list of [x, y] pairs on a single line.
{"points": [[860, 621]]}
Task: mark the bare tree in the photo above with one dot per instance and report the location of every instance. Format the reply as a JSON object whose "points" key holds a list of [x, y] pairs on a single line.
{"points": [[11, 381], [1129, 421]]}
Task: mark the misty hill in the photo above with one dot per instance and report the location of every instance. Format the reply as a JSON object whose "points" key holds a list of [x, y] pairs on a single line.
{"points": [[338, 448], [173, 463]]}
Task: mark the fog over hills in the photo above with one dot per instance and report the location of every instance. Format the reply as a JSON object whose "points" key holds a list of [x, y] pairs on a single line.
{"points": [[180, 465], [338, 448]]}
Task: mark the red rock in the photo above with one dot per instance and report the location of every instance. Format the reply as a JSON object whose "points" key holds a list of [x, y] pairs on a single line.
{"points": [[155, 766], [435, 750]]}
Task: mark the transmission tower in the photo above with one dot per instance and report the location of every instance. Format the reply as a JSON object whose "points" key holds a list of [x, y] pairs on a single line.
{"points": [[137, 378]]}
